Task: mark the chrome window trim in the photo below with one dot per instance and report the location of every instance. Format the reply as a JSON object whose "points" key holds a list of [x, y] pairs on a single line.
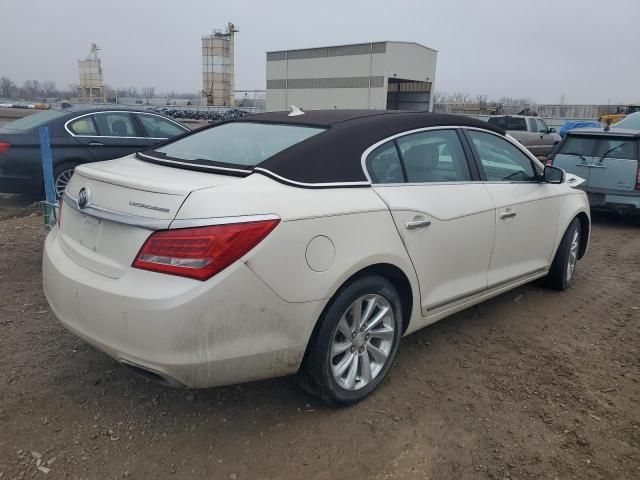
{"points": [[303, 184], [183, 163], [66, 124], [509, 138], [114, 216], [205, 222], [363, 158]]}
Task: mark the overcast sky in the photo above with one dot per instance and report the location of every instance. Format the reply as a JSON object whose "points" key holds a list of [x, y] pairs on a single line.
{"points": [[588, 50]]}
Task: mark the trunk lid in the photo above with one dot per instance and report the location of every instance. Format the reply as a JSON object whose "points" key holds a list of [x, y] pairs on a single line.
{"points": [[128, 199]]}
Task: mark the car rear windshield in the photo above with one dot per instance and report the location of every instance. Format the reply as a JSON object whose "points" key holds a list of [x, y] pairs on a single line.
{"points": [[34, 120], [235, 143], [509, 123], [609, 147]]}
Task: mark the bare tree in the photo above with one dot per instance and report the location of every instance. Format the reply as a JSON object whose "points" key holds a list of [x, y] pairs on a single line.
{"points": [[148, 92], [31, 89], [49, 88], [439, 97], [459, 97], [132, 92], [7, 87]]}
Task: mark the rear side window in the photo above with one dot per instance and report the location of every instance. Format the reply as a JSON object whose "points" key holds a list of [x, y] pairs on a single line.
{"points": [[384, 164], [621, 148], [83, 126], [236, 143], [501, 160], [158, 127], [509, 123], [115, 124], [435, 156]]}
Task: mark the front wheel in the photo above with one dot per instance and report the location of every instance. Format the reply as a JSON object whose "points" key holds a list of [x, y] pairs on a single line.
{"points": [[355, 342], [564, 263]]}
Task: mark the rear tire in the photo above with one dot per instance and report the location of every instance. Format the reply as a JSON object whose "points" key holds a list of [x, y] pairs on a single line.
{"points": [[563, 266], [61, 176], [354, 343]]}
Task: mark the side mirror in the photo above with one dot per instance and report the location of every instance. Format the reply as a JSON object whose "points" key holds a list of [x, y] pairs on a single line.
{"points": [[553, 174], [551, 130]]}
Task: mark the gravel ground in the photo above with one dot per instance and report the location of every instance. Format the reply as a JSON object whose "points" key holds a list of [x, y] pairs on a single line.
{"points": [[532, 384]]}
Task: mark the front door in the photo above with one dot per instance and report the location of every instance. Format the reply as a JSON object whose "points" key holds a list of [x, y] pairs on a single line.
{"points": [[526, 214], [444, 215]]}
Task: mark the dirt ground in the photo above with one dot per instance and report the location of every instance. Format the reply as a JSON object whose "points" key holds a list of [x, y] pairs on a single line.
{"points": [[532, 384]]}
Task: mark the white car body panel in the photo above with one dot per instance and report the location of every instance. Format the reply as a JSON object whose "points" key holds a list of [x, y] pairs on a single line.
{"points": [[446, 267]]}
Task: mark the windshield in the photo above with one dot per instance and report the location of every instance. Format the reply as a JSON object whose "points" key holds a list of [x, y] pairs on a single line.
{"points": [[631, 122], [599, 147], [34, 120], [237, 143]]}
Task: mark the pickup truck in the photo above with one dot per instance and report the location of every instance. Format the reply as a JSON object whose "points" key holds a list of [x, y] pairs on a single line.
{"points": [[532, 132]]}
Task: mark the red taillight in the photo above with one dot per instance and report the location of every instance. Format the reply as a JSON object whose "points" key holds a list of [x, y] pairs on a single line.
{"points": [[201, 252], [4, 147]]}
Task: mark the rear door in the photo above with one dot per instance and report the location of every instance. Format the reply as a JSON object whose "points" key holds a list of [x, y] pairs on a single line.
{"points": [[444, 214], [526, 215], [108, 135]]}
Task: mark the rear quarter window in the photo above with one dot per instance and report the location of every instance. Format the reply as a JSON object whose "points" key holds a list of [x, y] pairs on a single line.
{"points": [[235, 143]]}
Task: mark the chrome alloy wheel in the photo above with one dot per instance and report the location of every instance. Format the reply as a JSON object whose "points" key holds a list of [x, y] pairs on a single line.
{"points": [[362, 342], [62, 180], [573, 254]]}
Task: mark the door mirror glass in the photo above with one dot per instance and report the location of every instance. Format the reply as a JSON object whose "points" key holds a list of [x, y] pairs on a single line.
{"points": [[552, 130], [553, 174]]}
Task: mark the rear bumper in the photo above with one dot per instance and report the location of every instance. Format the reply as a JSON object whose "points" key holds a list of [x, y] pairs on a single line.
{"points": [[230, 329], [614, 201]]}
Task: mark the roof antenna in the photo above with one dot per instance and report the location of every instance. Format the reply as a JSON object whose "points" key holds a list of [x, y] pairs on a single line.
{"points": [[295, 111]]}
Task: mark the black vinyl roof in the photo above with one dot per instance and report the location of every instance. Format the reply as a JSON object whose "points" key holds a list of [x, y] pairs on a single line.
{"points": [[334, 156]]}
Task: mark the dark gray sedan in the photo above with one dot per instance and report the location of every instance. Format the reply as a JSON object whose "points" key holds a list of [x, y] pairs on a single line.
{"points": [[76, 137]]}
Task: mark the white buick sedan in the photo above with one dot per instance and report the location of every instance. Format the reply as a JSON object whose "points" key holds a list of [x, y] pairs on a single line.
{"points": [[307, 244]]}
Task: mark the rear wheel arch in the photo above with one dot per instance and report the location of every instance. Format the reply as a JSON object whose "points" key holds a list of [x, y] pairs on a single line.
{"points": [[392, 273], [585, 228]]}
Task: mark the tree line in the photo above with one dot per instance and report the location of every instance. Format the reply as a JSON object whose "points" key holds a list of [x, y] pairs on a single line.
{"points": [[35, 90]]}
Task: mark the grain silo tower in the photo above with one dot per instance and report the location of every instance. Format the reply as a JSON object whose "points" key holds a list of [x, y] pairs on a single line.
{"points": [[91, 88], [217, 67]]}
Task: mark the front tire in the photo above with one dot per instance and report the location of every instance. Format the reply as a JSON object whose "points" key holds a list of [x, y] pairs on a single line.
{"points": [[564, 263], [355, 342]]}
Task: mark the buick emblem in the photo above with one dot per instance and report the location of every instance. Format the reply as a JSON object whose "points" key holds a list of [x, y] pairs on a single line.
{"points": [[84, 198]]}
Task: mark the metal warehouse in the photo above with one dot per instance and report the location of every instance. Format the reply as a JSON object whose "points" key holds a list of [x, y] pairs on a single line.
{"points": [[378, 75]]}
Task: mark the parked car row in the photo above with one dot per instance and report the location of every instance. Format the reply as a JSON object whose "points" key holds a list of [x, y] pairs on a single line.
{"points": [[77, 136], [207, 115], [310, 244]]}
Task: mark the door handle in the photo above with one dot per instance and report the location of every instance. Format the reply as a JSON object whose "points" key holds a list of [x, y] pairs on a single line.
{"points": [[96, 144], [505, 215], [417, 224]]}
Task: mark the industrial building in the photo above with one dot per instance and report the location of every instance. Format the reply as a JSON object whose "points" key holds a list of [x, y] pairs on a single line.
{"points": [[91, 88], [379, 75], [218, 67]]}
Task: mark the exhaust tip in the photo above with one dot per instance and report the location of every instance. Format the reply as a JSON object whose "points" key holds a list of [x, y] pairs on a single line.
{"points": [[152, 375]]}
